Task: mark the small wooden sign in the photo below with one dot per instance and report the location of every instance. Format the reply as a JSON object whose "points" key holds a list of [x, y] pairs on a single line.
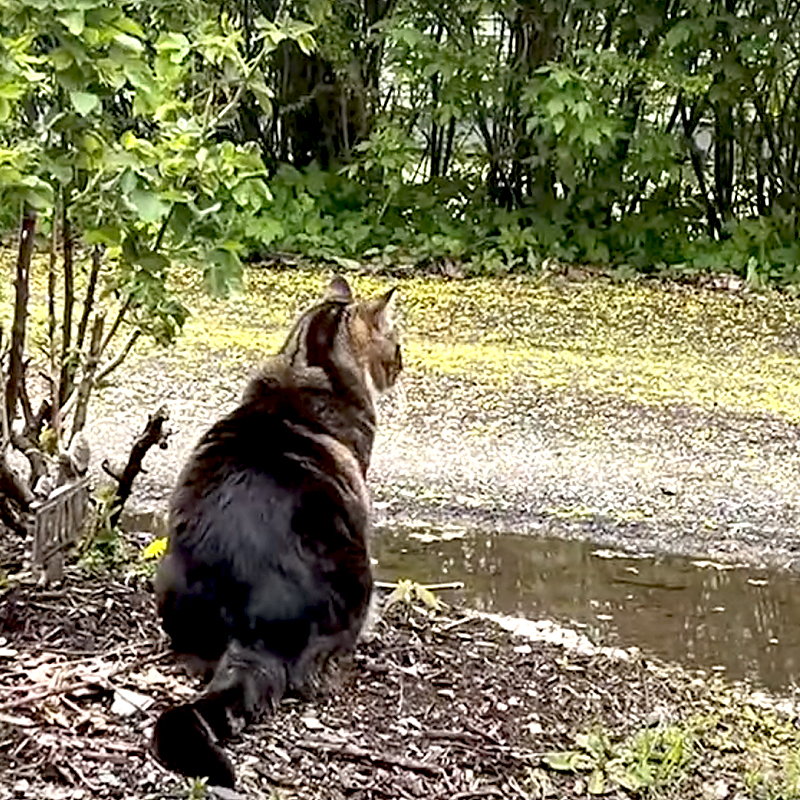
{"points": [[57, 522]]}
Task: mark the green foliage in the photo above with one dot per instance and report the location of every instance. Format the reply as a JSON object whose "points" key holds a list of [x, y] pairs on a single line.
{"points": [[118, 112], [107, 548], [494, 132], [196, 789], [504, 133], [653, 757]]}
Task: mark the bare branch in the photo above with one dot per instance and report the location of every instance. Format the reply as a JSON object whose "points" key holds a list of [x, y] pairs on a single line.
{"points": [[15, 369], [112, 331], [120, 357], [109, 470], [87, 381], [88, 301], [153, 433]]}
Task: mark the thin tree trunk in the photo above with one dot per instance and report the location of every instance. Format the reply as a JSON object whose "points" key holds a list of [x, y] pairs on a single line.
{"points": [[55, 417], [51, 290], [90, 367], [67, 366], [88, 302], [25, 252]]}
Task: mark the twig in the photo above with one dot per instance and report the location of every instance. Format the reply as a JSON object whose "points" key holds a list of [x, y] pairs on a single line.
{"points": [[480, 791], [120, 357], [431, 587], [275, 780], [448, 626], [110, 471], [153, 433], [360, 754], [112, 331], [80, 684]]}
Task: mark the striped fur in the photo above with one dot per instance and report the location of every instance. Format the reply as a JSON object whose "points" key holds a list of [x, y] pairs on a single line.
{"points": [[267, 572]]}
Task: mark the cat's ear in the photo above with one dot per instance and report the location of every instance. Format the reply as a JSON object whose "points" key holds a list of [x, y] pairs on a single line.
{"points": [[339, 289], [381, 309]]}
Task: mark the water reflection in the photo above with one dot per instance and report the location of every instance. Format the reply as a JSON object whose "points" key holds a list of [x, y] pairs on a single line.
{"points": [[742, 620]]}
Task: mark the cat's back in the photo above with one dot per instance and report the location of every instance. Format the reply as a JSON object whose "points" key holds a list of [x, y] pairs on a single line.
{"points": [[290, 425]]}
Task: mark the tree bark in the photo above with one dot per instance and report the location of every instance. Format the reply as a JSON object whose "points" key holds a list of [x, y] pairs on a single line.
{"points": [[67, 362], [90, 367], [25, 252], [88, 302]]}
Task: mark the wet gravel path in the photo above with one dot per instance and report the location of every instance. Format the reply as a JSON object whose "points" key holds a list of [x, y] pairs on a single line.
{"points": [[463, 451]]}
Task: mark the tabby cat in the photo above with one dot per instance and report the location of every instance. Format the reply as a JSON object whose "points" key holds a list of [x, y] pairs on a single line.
{"points": [[267, 572]]}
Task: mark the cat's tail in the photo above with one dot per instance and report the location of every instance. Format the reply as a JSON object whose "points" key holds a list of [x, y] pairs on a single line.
{"points": [[247, 682]]}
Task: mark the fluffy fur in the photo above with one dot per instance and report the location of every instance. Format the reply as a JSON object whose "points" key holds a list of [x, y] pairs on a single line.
{"points": [[267, 573]]}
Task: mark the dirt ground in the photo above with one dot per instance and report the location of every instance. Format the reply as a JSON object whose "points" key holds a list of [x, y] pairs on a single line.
{"points": [[433, 704], [524, 409]]}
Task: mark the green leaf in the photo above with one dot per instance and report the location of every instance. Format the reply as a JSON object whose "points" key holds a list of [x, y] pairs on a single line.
{"points": [[222, 272], [73, 20], [554, 106], [627, 778], [401, 593], [679, 32], [149, 206], [84, 102], [427, 597], [305, 41], [129, 42], [597, 782], [109, 236], [568, 761], [39, 197]]}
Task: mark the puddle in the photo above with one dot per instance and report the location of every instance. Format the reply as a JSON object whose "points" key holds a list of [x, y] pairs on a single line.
{"points": [[742, 621]]}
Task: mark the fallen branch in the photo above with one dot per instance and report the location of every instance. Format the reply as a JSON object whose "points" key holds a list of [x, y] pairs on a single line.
{"points": [[360, 754], [153, 433]]}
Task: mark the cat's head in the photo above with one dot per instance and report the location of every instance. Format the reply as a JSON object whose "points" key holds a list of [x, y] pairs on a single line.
{"points": [[349, 336], [376, 344]]}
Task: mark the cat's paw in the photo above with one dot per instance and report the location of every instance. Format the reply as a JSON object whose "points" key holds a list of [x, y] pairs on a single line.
{"points": [[184, 743]]}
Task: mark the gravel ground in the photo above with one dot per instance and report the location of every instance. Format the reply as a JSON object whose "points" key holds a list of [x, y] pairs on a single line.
{"points": [[452, 450]]}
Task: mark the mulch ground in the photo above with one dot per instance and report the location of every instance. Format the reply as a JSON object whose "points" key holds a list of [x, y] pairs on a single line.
{"points": [[433, 704]]}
